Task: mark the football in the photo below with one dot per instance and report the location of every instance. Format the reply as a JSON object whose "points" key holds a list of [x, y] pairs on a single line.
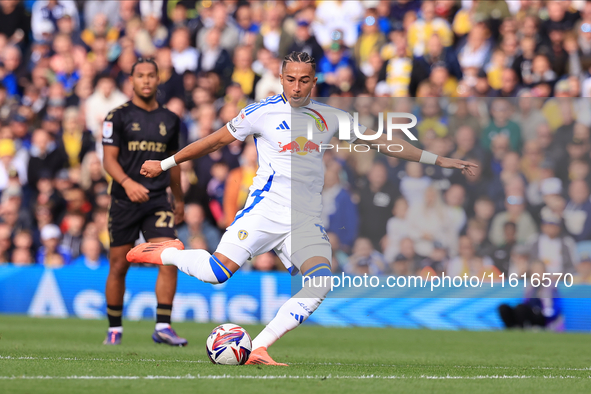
{"points": [[228, 344]]}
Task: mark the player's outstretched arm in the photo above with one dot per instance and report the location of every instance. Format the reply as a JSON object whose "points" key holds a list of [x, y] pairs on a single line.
{"points": [[199, 148], [409, 152]]}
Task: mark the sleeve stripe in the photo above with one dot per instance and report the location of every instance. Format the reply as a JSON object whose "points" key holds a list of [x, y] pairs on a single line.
{"points": [[272, 100]]}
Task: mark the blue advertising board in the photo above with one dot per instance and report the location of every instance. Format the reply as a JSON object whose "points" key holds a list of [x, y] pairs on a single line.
{"points": [[251, 298]]}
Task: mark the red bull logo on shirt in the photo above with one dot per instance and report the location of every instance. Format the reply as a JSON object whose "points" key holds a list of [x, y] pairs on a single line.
{"points": [[301, 145]]}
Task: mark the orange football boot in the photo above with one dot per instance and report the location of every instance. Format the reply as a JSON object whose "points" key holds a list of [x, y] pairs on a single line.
{"points": [[260, 356], [150, 252]]}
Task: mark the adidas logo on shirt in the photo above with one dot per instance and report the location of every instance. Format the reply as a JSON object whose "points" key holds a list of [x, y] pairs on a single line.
{"points": [[282, 126]]}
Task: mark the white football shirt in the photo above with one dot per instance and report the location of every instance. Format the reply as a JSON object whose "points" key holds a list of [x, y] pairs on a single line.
{"points": [[291, 170]]}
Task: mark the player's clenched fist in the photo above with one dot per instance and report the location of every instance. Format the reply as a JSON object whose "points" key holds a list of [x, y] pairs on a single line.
{"points": [[151, 168]]}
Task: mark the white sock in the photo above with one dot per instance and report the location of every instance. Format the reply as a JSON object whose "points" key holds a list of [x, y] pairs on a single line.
{"points": [[116, 329], [291, 314], [162, 326], [198, 263]]}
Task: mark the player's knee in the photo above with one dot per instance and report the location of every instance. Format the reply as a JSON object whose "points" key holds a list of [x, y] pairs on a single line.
{"points": [[118, 267]]}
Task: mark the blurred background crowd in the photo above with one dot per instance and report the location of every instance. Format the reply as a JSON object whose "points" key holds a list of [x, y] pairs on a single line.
{"points": [[505, 84]]}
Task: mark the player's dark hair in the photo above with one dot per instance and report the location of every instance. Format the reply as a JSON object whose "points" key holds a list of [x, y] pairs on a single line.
{"points": [[299, 57], [144, 60]]}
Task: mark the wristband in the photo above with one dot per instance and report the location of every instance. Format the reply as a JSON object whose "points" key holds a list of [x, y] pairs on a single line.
{"points": [[428, 158], [167, 164], [123, 180]]}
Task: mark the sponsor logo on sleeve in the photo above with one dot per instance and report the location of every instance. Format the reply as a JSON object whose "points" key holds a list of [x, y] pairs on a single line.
{"points": [[107, 131], [237, 120]]}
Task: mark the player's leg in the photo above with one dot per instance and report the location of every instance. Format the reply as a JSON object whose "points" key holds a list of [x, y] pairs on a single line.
{"points": [[115, 290], [165, 291], [314, 263], [158, 229], [209, 268], [124, 226], [242, 240]]}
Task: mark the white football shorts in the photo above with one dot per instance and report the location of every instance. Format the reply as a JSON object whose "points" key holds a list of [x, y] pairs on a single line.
{"points": [[265, 225]]}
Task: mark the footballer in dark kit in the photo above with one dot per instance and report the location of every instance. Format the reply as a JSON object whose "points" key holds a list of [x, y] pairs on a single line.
{"points": [[137, 131]]}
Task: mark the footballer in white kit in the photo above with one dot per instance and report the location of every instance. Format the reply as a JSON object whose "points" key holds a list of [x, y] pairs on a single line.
{"points": [[284, 205], [282, 212]]}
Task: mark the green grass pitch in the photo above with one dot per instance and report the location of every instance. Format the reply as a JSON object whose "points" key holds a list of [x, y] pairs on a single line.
{"points": [[66, 356]]}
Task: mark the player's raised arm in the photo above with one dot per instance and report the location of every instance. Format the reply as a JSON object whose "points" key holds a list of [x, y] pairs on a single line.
{"points": [[195, 150], [409, 152]]}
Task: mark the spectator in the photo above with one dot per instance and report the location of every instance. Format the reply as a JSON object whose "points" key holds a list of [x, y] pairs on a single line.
{"points": [[577, 214], [52, 254], [514, 212], [501, 123], [334, 58], [414, 184], [108, 8], [376, 200], [370, 40], [15, 23], [213, 57], [229, 33], [265, 262], [454, 201], [465, 140], [196, 225], [502, 254], [398, 69], [75, 142], [5, 243], [436, 54], [243, 73], [523, 63], [584, 270], [171, 83], [365, 259], [338, 20], [467, 262], [73, 224], [272, 35], [429, 222], [238, 183], [269, 84], [51, 11], [557, 252], [91, 256], [248, 29], [398, 227], [423, 28], [477, 49], [184, 57], [104, 99], [11, 59], [99, 26], [339, 213], [21, 257], [305, 41], [339, 257]]}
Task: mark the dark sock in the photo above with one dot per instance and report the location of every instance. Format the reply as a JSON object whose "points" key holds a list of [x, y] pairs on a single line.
{"points": [[163, 312], [114, 312]]}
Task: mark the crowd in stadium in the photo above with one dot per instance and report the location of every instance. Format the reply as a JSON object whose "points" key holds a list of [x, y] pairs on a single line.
{"points": [[504, 84]]}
